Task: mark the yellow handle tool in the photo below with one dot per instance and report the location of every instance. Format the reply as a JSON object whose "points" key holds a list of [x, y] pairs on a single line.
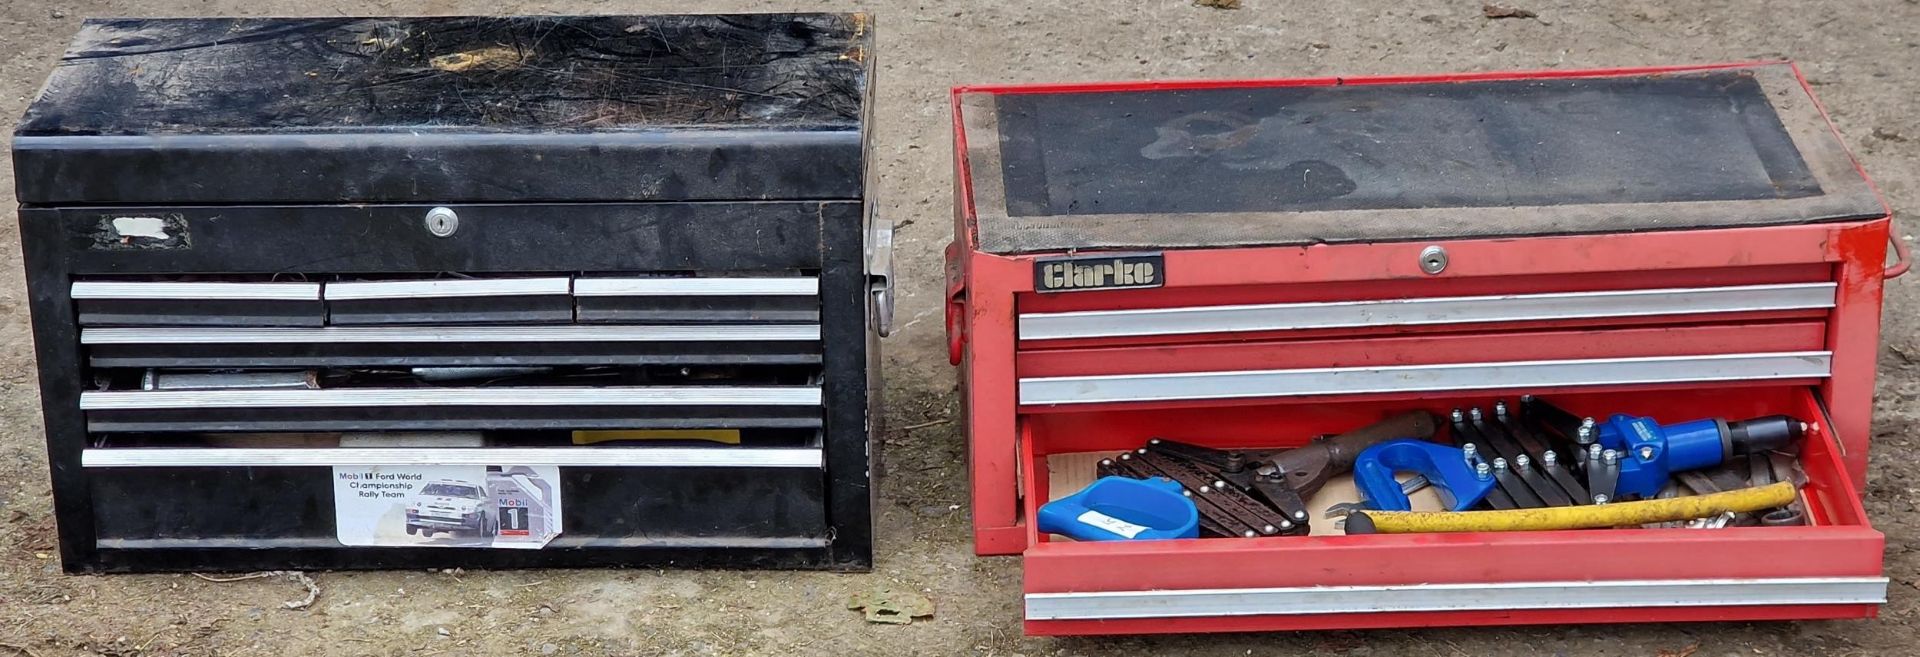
{"points": [[1745, 500]]}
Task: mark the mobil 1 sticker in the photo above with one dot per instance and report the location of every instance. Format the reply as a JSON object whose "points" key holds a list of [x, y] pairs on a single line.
{"points": [[487, 506], [1114, 271]]}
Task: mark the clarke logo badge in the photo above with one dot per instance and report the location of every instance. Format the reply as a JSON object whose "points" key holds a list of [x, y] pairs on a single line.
{"points": [[1102, 272]]}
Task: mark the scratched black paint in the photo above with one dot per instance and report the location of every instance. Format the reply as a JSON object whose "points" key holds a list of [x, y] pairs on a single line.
{"points": [[578, 73], [451, 109]]}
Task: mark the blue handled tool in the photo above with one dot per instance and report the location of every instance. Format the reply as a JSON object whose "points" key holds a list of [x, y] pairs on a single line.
{"points": [[1121, 508], [1446, 468], [1649, 452]]}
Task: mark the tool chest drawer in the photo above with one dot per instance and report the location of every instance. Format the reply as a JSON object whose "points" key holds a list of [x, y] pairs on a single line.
{"points": [[511, 407], [284, 501], [1829, 568], [452, 346], [480, 315], [1309, 354], [163, 303], [460, 301], [764, 300]]}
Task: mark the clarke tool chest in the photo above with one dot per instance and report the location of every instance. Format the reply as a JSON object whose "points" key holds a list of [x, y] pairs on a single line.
{"points": [[480, 292], [1507, 348]]}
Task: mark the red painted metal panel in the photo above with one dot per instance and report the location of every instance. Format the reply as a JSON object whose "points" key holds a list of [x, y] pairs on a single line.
{"points": [[1034, 473], [1153, 85], [1853, 335], [1446, 619], [1599, 554], [1290, 338], [1183, 293], [1569, 254], [1424, 350], [987, 378], [964, 226], [1607, 255]]}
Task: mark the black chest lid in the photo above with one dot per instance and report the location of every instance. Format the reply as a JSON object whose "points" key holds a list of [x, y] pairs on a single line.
{"points": [[1308, 161], [451, 109]]}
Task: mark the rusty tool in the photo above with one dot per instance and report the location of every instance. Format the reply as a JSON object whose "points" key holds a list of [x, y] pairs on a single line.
{"points": [[1307, 468]]}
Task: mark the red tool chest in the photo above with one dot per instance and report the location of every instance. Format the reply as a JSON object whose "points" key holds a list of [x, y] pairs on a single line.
{"points": [[1246, 264]]}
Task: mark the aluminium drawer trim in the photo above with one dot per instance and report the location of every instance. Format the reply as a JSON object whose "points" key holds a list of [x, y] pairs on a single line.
{"points": [[406, 334], [674, 287], [194, 291], [447, 288], [1489, 596], [1425, 311], [137, 457], [1423, 378], [504, 396]]}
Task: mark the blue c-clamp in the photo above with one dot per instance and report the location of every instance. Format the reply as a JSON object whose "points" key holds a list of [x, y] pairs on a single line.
{"points": [[1460, 485]]}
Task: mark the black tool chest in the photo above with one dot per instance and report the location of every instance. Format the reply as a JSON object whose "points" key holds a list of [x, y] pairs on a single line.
{"points": [[602, 287]]}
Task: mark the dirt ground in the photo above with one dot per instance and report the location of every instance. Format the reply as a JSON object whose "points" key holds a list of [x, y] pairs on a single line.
{"points": [[1861, 55]]}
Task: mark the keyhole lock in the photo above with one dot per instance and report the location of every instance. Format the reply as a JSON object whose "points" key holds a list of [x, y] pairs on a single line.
{"points": [[442, 221], [1433, 260]]}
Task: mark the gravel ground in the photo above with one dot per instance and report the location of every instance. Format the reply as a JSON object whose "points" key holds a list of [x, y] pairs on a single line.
{"points": [[1860, 55]]}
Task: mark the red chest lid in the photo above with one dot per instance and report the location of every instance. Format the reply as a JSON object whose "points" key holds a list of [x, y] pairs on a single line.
{"points": [[1280, 162]]}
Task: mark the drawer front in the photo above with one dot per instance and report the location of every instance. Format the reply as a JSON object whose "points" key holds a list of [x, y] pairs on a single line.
{"points": [[1535, 361], [1831, 568], [452, 346], [545, 300], [1569, 308], [1406, 379], [765, 300], [419, 409], [163, 303], [264, 498]]}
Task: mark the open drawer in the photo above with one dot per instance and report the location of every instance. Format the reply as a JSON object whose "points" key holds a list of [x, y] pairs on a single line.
{"points": [[1830, 568]]}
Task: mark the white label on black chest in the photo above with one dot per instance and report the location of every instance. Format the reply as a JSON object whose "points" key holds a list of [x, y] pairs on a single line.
{"points": [[148, 227], [1112, 524]]}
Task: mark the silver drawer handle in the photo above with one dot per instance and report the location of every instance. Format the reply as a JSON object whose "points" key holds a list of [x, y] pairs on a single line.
{"points": [[1510, 375], [137, 457], [1196, 603], [1425, 311], [504, 396], [697, 287], [447, 288], [415, 334], [196, 291]]}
